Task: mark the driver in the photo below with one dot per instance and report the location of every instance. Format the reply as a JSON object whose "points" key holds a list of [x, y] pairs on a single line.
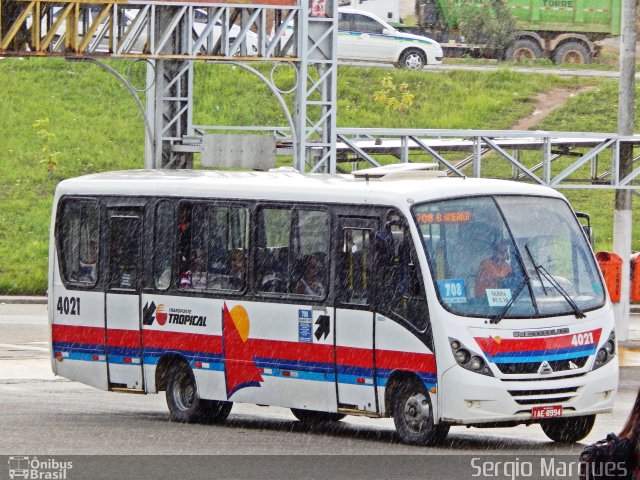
{"points": [[492, 270]]}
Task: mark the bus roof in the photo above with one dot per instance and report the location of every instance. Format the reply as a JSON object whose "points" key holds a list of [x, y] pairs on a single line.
{"points": [[289, 185]]}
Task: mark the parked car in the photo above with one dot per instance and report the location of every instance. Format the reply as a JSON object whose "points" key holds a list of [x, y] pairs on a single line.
{"points": [[362, 36]]}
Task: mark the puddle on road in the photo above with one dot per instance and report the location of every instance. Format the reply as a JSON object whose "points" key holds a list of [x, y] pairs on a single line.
{"points": [[629, 358]]}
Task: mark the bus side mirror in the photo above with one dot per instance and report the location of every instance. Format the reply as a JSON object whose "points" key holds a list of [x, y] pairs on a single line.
{"points": [[585, 223]]}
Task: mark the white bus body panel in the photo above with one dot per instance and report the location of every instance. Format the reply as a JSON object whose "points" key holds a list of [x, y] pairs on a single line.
{"points": [[123, 340], [273, 350], [77, 340]]}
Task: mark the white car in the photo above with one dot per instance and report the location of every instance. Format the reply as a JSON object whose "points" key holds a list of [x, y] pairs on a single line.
{"points": [[362, 36]]}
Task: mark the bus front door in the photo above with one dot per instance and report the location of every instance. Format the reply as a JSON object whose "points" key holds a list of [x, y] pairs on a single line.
{"points": [[124, 346], [354, 318]]}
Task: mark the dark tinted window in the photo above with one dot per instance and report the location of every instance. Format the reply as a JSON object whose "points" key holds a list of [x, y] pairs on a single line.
{"points": [[310, 246], [366, 25], [356, 265], [401, 290], [78, 236], [163, 244], [213, 246], [124, 249], [272, 253]]}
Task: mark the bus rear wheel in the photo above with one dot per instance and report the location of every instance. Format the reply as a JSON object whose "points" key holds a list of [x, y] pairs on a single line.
{"points": [[185, 405], [568, 430], [313, 417], [413, 416]]}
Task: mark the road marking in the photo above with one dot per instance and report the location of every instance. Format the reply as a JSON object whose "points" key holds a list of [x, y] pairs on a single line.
{"points": [[10, 346]]}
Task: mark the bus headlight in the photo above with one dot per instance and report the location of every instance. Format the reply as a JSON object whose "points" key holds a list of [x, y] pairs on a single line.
{"points": [[468, 359], [606, 353], [462, 356], [476, 363]]}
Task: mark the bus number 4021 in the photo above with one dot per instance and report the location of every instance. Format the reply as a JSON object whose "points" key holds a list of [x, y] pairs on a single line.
{"points": [[68, 305], [582, 339]]}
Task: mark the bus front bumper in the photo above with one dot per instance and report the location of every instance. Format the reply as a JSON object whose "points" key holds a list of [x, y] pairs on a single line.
{"points": [[469, 398]]}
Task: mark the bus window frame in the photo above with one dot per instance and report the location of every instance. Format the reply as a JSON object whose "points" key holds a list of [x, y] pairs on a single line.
{"points": [[413, 253], [208, 203], [99, 280], [256, 233]]}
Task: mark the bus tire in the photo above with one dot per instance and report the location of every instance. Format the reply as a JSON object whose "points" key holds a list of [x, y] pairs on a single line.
{"points": [[185, 406], [215, 411], [568, 430], [572, 52], [412, 59], [523, 49], [313, 417], [413, 416]]}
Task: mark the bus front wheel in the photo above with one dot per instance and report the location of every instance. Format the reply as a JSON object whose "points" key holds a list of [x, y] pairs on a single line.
{"points": [[312, 417], [568, 430], [413, 416], [185, 405]]}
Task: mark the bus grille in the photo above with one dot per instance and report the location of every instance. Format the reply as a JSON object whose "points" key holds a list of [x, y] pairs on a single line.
{"points": [[543, 397], [529, 368]]}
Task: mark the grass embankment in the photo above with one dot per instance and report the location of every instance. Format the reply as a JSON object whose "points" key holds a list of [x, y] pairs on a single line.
{"points": [[94, 126]]}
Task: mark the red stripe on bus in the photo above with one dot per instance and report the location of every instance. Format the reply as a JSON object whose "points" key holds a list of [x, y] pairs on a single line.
{"points": [[260, 348], [306, 352], [117, 337], [492, 345], [191, 342], [77, 334], [355, 357], [393, 360]]}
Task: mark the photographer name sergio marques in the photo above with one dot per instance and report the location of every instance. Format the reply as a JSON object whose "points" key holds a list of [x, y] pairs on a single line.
{"points": [[545, 467], [32, 468]]}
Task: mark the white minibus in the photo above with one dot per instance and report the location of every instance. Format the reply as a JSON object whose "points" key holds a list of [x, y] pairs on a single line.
{"points": [[387, 293]]}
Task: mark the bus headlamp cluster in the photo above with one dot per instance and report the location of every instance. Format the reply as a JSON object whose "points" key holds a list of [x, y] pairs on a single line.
{"points": [[605, 354], [469, 359]]}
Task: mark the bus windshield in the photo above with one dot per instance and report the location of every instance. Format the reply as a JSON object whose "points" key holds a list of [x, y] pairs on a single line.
{"points": [[482, 251]]}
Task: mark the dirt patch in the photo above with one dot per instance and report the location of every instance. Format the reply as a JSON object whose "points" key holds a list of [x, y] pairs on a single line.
{"points": [[546, 103]]}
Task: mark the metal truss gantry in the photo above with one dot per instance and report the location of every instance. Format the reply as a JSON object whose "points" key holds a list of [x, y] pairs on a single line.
{"points": [[171, 35]]}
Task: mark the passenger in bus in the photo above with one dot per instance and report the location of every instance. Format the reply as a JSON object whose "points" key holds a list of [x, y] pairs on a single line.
{"points": [[310, 281], [199, 269], [493, 270], [87, 271], [236, 268]]}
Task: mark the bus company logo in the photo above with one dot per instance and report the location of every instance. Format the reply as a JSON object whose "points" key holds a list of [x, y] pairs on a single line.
{"points": [[540, 333], [241, 371], [36, 469], [161, 315], [178, 316]]}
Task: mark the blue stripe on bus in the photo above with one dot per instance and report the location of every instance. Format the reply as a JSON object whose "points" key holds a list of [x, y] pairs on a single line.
{"points": [[589, 349], [80, 347], [540, 358]]}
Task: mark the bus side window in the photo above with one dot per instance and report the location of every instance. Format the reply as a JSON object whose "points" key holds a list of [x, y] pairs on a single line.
{"points": [[310, 248], [226, 248], [272, 252], [356, 266], [401, 289], [163, 244], [78, 237]]}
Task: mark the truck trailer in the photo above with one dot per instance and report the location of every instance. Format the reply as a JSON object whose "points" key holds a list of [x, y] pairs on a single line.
{"points": [[563, 30]]}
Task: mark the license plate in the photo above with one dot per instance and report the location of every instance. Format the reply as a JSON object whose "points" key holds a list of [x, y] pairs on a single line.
{"points": [[546, 412]]}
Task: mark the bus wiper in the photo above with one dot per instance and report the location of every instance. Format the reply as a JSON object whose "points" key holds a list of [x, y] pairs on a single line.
{"points": [[498, 318], [554, 283]]}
